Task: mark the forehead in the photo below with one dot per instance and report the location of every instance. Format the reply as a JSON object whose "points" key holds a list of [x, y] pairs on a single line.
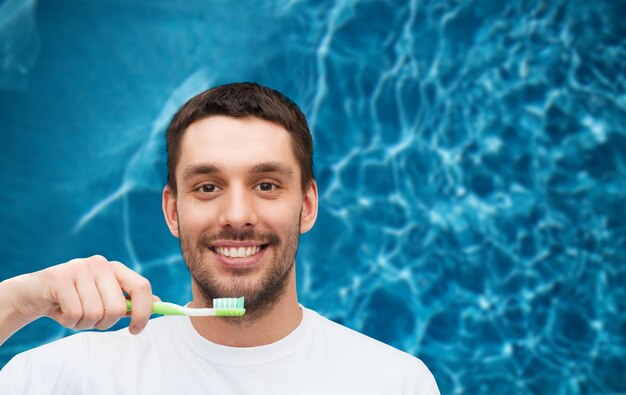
{"points": [[235, 143]]}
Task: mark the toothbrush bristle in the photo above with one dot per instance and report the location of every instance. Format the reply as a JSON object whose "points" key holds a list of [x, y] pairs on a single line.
{"points": [[229, 307]]}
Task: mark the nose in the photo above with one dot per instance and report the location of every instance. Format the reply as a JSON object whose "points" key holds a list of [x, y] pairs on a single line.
{"points": [[237, 209]]}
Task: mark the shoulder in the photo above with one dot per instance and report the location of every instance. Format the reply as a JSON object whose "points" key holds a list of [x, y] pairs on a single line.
{"points": [[366, 355], [65, 365], [60, 362], [348, 339], [71, 351]]}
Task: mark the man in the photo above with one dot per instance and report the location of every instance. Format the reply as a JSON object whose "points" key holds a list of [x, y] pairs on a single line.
{"points": [[240, 192]]}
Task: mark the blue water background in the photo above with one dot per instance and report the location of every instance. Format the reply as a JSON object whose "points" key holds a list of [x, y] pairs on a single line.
{"points": [[471, 159]]}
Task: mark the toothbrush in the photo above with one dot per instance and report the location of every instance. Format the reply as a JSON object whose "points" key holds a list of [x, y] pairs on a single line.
{"points": [[222, 307]]}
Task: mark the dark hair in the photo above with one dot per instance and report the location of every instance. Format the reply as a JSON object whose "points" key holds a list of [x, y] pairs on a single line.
{"points": [[241, 100]]}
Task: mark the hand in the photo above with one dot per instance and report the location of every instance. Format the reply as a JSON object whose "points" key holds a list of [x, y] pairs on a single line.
{"points": [[81, 294]]}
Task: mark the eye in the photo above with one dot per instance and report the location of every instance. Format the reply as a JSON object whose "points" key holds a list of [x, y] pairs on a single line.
{"points": [[266, 186], [208, 188]]}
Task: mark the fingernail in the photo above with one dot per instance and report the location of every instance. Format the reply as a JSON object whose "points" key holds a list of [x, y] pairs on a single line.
{"points": [[136, 329]]}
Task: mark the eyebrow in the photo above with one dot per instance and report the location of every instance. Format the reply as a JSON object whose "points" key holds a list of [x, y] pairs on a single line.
{"points": [[272, 167], [213, 168], [204, 168]]}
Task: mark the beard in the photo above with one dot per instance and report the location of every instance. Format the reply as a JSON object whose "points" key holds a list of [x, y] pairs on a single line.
{"points": [[260, 295]]}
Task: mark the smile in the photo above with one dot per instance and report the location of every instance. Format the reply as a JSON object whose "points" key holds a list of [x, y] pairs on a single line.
{"points": [[238, 252]]}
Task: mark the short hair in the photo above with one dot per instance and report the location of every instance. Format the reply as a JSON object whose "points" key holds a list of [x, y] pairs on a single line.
{"points": [[242, 100]]}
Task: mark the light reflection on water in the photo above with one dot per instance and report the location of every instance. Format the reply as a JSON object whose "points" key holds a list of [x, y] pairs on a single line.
{"points": [[470, 157]]}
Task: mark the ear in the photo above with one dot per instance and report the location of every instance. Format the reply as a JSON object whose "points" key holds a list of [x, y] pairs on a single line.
{"points": [[309, 208], [169, 210]]}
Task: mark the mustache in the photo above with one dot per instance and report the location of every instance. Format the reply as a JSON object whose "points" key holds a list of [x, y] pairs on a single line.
{"points": [[239, 235]]}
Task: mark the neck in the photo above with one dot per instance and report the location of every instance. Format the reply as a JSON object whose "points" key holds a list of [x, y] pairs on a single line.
{"points": [[275, 324]]}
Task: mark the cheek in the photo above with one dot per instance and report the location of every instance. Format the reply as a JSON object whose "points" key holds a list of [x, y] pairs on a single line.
{"points": [[192, 219], [281, 217]]}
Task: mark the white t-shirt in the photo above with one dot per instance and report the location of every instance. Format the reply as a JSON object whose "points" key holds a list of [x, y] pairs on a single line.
{"points": [[170, 357]]}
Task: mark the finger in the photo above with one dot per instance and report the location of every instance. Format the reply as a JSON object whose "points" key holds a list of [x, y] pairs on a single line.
{"points": [[70, 309], [112, 299], [140, 292], [93, 309], [154, 299]]}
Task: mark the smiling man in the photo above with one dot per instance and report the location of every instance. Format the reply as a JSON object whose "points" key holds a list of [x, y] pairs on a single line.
{"points": [[240, 192], [238, 205]]}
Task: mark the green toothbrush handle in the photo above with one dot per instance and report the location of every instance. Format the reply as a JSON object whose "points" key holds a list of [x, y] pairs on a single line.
{"points": [[159, 308]]}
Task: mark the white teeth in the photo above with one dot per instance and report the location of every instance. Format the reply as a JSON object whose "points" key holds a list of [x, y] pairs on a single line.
{"points": [[240, 252]]}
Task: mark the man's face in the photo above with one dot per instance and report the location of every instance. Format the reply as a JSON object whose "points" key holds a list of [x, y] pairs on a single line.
{"points": [[239, 208]]}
